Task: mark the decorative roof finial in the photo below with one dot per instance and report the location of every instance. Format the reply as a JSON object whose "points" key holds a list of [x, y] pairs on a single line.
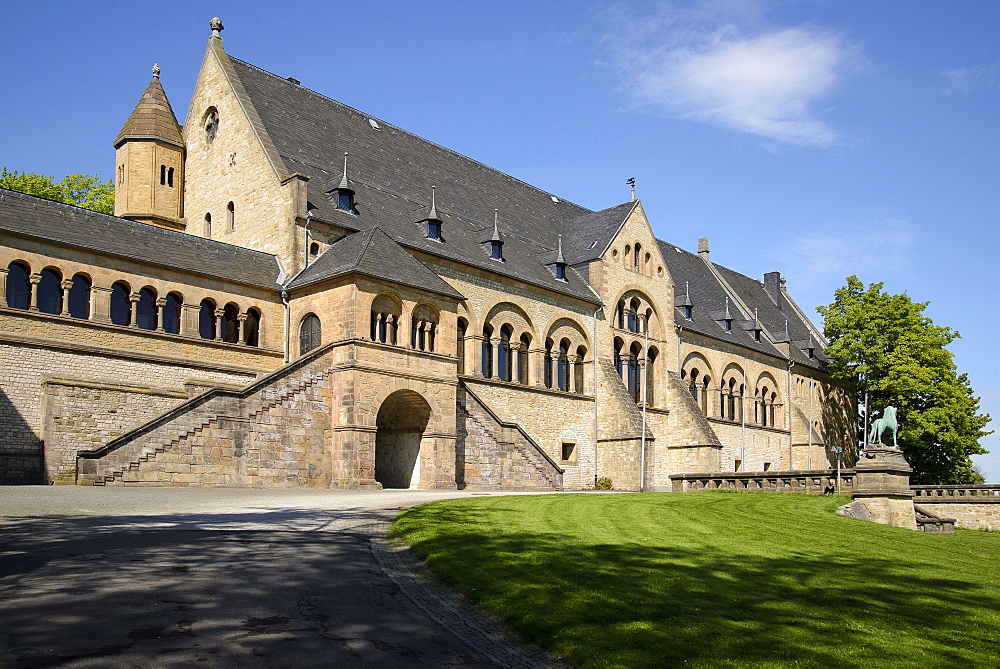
{"points": [[729, 316], [156, 70], [631, 182], [433, 215], [344, 182], [216, 25], [496, 227], [786, 330], [559, 258], [756, 323], [687, 292]]}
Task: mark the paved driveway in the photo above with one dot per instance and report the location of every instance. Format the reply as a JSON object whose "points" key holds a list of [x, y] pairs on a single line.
{"points": [[169, 576]]}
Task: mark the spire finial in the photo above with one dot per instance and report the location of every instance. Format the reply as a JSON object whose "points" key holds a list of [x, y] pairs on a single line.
{"points": [[559, 258], [433, 213], [756, 323], [728, 315], [496, 219], [786, 330], [344, 181], [156, 70], [216, 25], [687, 292]]}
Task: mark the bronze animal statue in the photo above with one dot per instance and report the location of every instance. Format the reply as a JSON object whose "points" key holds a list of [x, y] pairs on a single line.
{"points": [[880, 425]]}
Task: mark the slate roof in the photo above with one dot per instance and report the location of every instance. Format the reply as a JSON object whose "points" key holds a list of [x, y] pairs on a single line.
{"points": [[591, 233], [374, 254], [65, 224], [152, 117], [392, 172]]}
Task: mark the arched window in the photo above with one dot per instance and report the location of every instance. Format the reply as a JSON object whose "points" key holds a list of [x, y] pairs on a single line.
{"points": [[620, 315], [206, 319], [635, 262], [463, 328], [504, 360], [310, 334], [50, 295], [628, 255], [620, 359], [693, 384], [172, 313], [18, 286], [231, 324], [487, 352], [423, 328], [208, 225], [581, 355], [385, 315], [564, 365], [79, 297], [231, 215], [549, 345], [651, 356], [145, 310], [251, 328], [121, 307], [634, 319], [314, 249], [635, 372], [522, 359]]}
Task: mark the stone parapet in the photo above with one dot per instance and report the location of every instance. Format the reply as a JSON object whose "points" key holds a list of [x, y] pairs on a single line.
{"points": [[816, 481]]}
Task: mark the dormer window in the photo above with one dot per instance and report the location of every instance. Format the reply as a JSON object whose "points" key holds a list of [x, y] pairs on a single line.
{"points": [[496, 240], [727, 324], [688, 312], [434, 230], [560, 271], [496, 250], [345, 199]]}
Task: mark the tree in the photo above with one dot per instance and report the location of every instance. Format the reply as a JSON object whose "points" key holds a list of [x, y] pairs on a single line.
{"points": [[886, 347], [82, 190]]}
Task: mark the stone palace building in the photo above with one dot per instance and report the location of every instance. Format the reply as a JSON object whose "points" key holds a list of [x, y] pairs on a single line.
{"points": [[294, 293]]}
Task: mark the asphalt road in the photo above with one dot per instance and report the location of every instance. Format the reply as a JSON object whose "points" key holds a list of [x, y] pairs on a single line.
{"points": [[103, 577]]}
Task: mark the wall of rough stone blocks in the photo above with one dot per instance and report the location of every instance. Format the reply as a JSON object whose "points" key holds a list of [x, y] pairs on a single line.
{"points": [[235, 168], [982, 516], [31, 406]]}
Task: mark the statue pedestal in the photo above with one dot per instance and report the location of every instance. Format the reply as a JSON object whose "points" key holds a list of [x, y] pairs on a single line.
{"points": [[882, 484]]}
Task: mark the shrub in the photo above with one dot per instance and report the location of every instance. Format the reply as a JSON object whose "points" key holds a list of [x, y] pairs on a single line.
{"points": [[604, 483]]}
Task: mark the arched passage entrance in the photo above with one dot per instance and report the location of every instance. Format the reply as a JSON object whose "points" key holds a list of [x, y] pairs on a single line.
{"points": [[401, 422]]}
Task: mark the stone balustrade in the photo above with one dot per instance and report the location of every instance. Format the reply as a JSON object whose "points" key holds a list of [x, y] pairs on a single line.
{"points": [[987, 493], [813, 481]]}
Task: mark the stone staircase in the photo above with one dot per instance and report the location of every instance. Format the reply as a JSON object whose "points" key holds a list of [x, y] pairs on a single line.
{"points": [[496, 454], [220, 416]]}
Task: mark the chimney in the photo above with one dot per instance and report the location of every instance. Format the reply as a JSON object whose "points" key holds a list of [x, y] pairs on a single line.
{"points": [[772, 284], [703, 248]]}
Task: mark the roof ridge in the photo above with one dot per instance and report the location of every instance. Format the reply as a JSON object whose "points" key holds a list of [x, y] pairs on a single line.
{"points": [[397, 128], [128, 221]]}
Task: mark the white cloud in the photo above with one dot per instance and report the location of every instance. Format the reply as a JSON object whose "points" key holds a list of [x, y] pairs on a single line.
{"points": [[698, 64], [966, 79], [825, 258]]}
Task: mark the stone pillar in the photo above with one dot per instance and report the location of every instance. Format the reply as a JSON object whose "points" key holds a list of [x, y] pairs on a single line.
{"points": [[101, 310], [536, 367], [66, 285], [190, 314], [160, 303], [473, 354], [34, 279], [3, 286], [241, 333], [882, 483], [134, 299], [219, 313]]}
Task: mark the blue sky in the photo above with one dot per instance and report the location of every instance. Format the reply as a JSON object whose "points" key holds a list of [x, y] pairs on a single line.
{"points": [[820, 139]]}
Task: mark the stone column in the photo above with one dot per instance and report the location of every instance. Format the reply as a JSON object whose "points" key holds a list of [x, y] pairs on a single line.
{"points": [[134, 299], [160, 303], [536, 367], [882, 483], [473, 354], [66, 285], [241, 333], [3, 286], [34, 279], [219, 313]]}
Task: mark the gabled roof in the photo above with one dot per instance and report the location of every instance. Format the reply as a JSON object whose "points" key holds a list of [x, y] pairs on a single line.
{"points": [[373, 253], [392, 172], [591, 233], [30, 216], [152, 118]]}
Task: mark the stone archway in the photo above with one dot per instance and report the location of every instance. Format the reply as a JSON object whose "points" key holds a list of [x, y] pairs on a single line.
{"points": [[401, 422]]}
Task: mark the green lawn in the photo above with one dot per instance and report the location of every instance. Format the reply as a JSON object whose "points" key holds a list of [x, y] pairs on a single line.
{"points": [[716, 579]]}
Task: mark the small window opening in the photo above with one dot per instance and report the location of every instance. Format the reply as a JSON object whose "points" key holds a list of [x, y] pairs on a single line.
{"points": [[688, 312], [738, 466], [568, 451], [163, 175], [314, 249], [767, 466], [231, 215], [170, 177], [496, 250], [208, 225], [561, 271], [345, 200], [728, 324]]}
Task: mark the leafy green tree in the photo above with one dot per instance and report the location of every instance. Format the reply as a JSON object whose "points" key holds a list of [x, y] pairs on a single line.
{"points": [[886, 346], [82, 190]]}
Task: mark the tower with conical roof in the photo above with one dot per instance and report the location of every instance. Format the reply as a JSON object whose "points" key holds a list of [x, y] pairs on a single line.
{"points": [[149, 151]]}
